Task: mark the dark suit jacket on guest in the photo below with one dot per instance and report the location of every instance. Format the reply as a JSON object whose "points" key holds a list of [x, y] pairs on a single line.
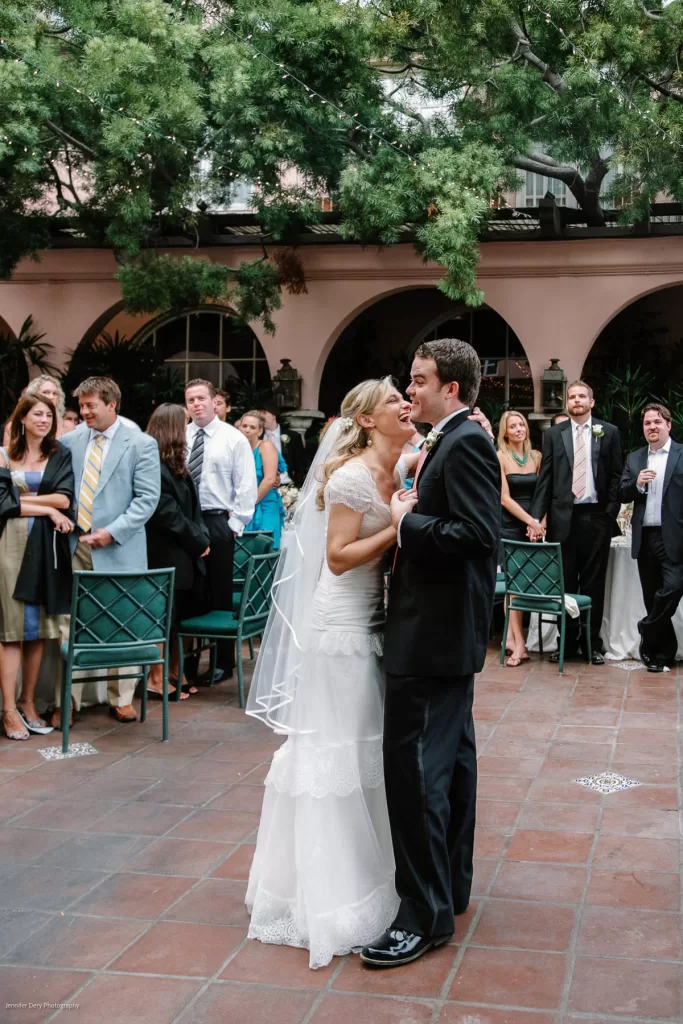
{"points": [[176, 535], [672, 500], [442, 590], [554, 495]]}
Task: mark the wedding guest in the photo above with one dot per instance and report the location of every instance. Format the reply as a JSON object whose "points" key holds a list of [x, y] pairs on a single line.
{"points": [[36, 493], [222, 404], [290, 445], [176, 535], [269, 513], [519, 465], [221, 465], [578, 490], [70, 421], [653, 481], [116, 467], [559, 417], [50, 388]]}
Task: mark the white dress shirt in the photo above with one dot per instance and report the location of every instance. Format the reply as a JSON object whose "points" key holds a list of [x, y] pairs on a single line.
{"points": [[590, 495], [276, 437], [108, 436], [656, 460], [228, 480], [439, 426]]}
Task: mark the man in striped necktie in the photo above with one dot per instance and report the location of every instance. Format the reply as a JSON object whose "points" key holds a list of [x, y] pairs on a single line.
{"points": [[117, 475], [577, 490]]}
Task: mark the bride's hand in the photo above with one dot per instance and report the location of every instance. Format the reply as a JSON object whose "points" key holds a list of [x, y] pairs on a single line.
{"points": [[402, 502]]}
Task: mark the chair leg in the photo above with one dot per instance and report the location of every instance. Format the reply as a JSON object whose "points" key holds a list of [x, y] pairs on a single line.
{"points": [[251, 647], [240, 677], [65, 709], [181, 670], [505, 636], [164, 693], [540, 634], [563, 624], [213, 658], [143, 695], [587, 629]]}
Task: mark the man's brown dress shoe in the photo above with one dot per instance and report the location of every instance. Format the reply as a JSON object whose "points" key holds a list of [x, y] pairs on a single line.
{"points": [[125, 714], [55, 721]]}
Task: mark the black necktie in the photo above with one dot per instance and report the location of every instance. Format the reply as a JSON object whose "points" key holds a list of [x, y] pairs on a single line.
{"points": [[197, 458]]}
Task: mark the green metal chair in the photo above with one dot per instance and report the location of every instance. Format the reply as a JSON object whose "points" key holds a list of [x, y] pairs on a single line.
{"points": [[250, 620], [254, 542], [499, 595], [117, 620], [534, 582]]}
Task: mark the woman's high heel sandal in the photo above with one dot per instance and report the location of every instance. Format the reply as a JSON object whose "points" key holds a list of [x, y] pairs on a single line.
{"points": [[36, 725], [13, 734]]}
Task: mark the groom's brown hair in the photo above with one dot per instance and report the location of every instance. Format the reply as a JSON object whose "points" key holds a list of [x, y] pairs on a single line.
{"points": [[455, 360]]}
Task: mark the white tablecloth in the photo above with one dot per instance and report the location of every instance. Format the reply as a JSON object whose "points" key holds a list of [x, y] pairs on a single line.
{"points": [[623, 609]]}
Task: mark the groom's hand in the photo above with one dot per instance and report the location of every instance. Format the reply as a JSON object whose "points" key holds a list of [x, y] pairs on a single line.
{"points": [[402, 502], [479, 417]]}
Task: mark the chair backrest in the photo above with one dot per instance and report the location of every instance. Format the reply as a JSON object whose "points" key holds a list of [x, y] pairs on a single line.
{"points": [[533, 570], [253, 542], [121, 608], [256, 596]]}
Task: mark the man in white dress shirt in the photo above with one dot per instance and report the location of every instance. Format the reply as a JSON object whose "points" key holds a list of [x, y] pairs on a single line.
{"points": [[221, 463], [653, 481]]}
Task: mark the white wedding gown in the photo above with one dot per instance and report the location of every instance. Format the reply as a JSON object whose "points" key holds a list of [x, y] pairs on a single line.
{"points": [[323, 871]]}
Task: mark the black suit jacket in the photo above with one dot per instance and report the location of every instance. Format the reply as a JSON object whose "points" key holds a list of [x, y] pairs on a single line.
{"points": [[176, 535], [294, 454], [442, 589], [554, 495], [672, 500]]}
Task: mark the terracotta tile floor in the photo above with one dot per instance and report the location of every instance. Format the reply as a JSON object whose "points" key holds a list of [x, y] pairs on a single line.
{"points": [[122, 875]]}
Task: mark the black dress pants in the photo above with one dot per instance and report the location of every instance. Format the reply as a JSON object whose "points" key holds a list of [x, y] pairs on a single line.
{"points": [[585, 554], [219, 568], [430, 769], [662, 583]]}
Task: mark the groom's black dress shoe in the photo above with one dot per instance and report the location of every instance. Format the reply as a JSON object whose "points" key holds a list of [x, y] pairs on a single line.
{"points": [[597, 658], [396, 947]]}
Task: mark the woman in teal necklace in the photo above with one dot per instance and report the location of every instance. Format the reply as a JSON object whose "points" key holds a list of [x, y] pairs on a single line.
{"points": [[519, 465]]}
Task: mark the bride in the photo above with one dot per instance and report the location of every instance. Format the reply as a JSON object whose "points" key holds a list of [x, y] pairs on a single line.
{"points": [[323, 871]]}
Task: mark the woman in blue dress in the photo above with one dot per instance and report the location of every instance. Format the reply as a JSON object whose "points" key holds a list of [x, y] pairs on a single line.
{"points": [[270, 512]]}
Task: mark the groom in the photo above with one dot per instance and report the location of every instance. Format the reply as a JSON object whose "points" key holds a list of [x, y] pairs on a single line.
{"points": [[436, 635]]}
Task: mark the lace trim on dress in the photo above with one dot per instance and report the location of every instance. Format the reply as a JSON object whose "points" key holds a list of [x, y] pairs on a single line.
{"points": [[352, 485], [327, 768], [346, 929], [332, 642]]}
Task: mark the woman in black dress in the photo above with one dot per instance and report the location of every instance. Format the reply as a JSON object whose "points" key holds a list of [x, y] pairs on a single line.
{"points": [[176, 535], [519, 465]]}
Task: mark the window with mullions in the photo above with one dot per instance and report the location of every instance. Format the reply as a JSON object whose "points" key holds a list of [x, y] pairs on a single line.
{"points": [[537, 185], [213, 345]]}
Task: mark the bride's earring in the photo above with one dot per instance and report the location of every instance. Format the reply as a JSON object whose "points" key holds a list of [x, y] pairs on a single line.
{"points": [[369, 441]]}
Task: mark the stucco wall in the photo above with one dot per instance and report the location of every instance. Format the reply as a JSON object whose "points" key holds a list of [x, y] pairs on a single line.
{"points": [[557, 296]]}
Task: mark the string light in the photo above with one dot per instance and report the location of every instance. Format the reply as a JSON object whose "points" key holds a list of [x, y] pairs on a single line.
{"points": [[20, 59], [603, 76]]}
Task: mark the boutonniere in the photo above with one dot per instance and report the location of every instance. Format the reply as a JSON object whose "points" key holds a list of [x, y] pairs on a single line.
{"points": [[432, 438], [284, 438], [597, 431]]}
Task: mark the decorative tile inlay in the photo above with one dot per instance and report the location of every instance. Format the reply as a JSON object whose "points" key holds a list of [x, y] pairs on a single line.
{"points": [[628, 666], [75, 750], [607, 782]]}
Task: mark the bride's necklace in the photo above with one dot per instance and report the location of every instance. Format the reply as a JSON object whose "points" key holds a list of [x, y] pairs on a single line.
{"points": [[521, 460]]}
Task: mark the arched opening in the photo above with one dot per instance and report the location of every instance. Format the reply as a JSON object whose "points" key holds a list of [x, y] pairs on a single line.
{"points": [[638, 357], [383, 338], [153, 364], [209, 342]]}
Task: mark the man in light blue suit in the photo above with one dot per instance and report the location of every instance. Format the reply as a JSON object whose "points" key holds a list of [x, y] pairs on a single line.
{"points": [[117, 473]]}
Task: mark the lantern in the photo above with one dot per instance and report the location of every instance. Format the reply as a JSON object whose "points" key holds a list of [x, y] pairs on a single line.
{"points": [[287, 386], [554, 387]]}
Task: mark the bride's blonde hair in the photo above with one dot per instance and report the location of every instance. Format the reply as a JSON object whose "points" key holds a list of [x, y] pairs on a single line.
{"points": [[353, 439]]}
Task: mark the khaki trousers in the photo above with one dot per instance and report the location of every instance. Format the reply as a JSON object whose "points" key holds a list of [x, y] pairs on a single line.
{"points": [[119, 691]]}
